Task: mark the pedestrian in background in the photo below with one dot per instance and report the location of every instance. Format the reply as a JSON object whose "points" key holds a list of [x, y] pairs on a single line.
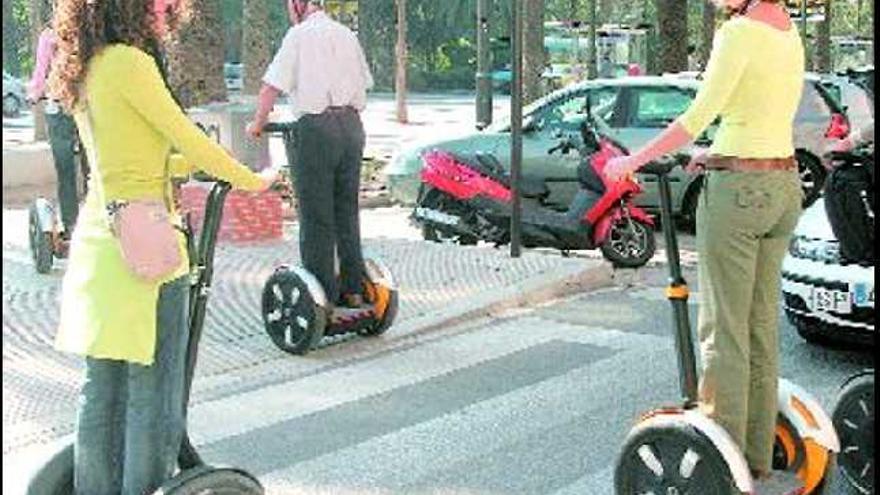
{"points": [[62, 131]]}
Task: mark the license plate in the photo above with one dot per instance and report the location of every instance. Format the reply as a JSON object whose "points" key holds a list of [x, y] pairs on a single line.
{"points": [[862, 294], [436, 216], [833, 301]]}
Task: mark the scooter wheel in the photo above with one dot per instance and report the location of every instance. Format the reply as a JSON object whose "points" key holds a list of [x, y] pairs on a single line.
{"points": [[216, 481], [671, 459], [853, 419], [630, 243], [40, 242], [381, 292], [294, 319]]}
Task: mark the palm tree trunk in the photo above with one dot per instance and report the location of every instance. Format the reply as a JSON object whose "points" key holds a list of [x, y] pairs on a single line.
{"points": [[709, 16], [256, 44], [195, 56], [672, 30], [533, 54], [401, 61]]}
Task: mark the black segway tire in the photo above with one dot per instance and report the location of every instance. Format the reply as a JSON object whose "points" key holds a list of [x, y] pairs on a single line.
{"points": [[55, 476], [653, 460], [853, 418], [211, 480], [292, 316], [40, 242]]}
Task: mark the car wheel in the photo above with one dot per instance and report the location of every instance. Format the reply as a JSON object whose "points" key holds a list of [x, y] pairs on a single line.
{"points": [[812, 174], [11, 106]]}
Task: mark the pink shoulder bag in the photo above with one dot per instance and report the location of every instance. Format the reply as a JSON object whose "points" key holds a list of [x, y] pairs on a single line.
{"points": [[147, 237]]}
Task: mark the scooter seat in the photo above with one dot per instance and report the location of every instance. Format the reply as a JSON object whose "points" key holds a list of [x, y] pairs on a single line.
{"points": [[529, 186]]}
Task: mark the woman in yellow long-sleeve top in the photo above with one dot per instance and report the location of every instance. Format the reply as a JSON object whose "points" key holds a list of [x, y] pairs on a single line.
{"points": [[748, 209], [131, 332]]}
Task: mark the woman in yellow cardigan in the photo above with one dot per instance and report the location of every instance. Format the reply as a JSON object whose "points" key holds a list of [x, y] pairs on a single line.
{"points": [[748, 209], [131, 332]]}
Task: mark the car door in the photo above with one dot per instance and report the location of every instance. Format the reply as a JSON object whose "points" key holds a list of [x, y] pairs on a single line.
{"points": [[549, 124]]}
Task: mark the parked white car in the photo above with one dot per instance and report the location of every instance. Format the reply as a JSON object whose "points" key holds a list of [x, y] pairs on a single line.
{"points": [[14, 96], [824, 299]]}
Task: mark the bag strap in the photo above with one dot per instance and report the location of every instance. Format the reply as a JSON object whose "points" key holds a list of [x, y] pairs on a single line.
{"points": [[112, 207]]}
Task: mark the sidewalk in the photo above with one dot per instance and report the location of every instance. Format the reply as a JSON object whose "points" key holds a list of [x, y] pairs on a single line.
{"points": [[439, 285]]}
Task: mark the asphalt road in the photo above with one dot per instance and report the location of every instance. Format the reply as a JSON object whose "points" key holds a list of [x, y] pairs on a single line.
{"points": [[533, 401]]}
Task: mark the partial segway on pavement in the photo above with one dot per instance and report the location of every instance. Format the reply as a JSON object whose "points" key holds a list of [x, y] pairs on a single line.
{"points": [[853, 417], [678, 449], [195, 477], [295, 308], [46, 236]]}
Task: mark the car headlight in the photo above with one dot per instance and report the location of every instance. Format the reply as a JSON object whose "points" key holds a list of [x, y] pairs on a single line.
{"points": [[815, 249]]}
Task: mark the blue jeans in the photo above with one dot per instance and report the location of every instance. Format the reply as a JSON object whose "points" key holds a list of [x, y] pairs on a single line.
{"points": [[131, 417]]}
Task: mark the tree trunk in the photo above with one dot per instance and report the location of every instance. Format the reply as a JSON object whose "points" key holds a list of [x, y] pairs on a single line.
{"points": [[593, 51], [11, 49], [533, 49], [673, 37], [823, 41], [401, 61], [709, 17], [256, 44], [195, 56]]}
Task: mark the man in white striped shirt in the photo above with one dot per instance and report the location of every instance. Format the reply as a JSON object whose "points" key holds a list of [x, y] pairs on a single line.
{"points": [[322, 67]]}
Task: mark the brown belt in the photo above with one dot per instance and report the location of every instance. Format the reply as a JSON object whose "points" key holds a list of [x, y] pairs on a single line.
{"points": [[735, 164]]}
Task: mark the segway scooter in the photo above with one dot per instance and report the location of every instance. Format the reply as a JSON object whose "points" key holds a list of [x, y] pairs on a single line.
{"points": [[853, 417], [295, 308], [55, 477], [46, 236], [677, 450]]}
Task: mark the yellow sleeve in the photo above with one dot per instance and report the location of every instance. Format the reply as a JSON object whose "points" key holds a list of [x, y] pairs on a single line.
{"points": [[145, 91], [725, 68], [178, 166]]}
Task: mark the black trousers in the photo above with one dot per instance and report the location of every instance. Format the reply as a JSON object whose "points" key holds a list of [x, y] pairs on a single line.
{"points": [[62, 139], [328, 151]]}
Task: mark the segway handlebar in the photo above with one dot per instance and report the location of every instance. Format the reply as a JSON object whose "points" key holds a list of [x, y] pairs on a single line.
{"points": [[664, 164], [280, 127]]}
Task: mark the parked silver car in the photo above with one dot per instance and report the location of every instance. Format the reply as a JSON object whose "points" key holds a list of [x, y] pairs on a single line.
{"points": [[634, 110], [14, 98]]}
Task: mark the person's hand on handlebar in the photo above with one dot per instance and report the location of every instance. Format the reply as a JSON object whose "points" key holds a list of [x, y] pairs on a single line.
{"points": [[697, 163], [255, 129], [619, 168], [270, 177]]}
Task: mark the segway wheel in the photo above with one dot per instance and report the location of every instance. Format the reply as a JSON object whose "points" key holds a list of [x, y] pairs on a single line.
{"points": [[630, 243], [381, 292], [216, 481], [55, 476], [853, 419], [293, 310], [813, 464], [40, 242], [671, 459]]}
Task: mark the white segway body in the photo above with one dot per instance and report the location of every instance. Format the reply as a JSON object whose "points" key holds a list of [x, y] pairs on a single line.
{"points": [[43, 227]]}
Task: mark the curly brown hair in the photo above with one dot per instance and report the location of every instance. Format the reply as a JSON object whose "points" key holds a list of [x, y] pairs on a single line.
{"points": [[83, 28]]}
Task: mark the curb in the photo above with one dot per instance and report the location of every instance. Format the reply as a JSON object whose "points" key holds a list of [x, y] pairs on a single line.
{"points": [[530, 293]]}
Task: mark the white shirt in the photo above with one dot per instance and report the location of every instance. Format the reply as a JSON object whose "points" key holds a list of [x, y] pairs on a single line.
{"points": [[320, 64]]}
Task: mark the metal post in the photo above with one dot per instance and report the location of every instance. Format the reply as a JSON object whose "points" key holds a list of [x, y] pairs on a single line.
{"points": [[484, 66], [516, 96]]}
